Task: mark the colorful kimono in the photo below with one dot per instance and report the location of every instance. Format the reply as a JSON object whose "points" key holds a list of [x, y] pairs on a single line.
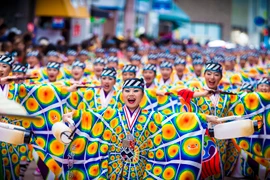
{"points": [[11, 154], [217, 105], [86, 157], [94, 80], [130, 141], [47, 101], [176, 149], [254, 159], [102, 101], [161, 82]]}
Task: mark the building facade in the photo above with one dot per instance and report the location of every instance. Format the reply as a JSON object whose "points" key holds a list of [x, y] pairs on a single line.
{"points": [[210, 19]]}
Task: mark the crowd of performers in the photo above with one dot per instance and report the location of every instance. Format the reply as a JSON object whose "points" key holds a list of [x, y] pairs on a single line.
{"points": [[145, 115]]}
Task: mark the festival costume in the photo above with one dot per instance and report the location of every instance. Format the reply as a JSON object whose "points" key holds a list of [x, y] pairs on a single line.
{"points": [[11, 154]]}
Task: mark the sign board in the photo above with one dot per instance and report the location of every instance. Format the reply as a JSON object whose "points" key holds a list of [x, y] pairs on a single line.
{"points": [[109, 4], [76, 30], [162, 5], [58, 23]]}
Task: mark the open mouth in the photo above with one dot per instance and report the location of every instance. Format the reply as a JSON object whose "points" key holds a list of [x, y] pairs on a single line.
{"points": [[106, 86], [131, 101], [211, 83], [148, 79]]}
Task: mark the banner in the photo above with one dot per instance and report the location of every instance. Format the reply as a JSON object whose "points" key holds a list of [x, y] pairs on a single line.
{"points": [[162, 5]]}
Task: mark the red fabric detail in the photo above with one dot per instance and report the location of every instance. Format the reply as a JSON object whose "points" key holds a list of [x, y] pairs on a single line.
{"points": [[211, 167], [186, 94]]}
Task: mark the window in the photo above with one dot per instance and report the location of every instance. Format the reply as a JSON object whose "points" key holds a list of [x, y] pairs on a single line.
{"points": [[201, 32], [120, 24]]}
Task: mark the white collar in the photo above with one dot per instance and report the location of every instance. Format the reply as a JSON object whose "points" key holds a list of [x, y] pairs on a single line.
{"points": [[214, 98], [4, 92], [105, 100], [168, 82], [151, 86], [131, 119]]}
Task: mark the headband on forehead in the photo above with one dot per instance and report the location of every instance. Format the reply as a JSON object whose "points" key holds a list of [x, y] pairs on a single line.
{"points": [[9, 60], [100, 61], [166, 64], [150, 67], [78, 64], [32, 53], [246, 86], [197, 61], [130, 49], [134, 83], [263, 81], [161, 55], [100, 50], [19, 68], [136, 57], [179, 61], [129, 68], [13, 54], [113, 59], [71, 53], [54, 65], [52, 53], [170, 56], [216, 67], [152, 57], [110, 72], [83, 52], [113, 50], [230, 58], [182, 53]]}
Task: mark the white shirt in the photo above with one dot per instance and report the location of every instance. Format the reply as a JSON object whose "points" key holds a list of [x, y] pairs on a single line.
{"points": [[105, 100], [4, 92], [161, 83]]}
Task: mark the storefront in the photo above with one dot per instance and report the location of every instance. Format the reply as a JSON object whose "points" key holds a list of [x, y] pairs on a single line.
{"points": [[115, 24], [73, 15], [171, 16]]}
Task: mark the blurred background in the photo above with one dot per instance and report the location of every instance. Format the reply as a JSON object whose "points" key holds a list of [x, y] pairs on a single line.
{"points": [[25, 23]]}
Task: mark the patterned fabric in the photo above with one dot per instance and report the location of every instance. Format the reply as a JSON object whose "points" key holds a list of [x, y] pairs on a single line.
{"points": [[206, 105], [12, 155], [177, 148], [47, 102], [130, 163], [254, 150]]}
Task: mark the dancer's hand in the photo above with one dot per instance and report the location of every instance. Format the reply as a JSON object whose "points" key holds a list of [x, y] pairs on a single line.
{"points": [[68, 118], [160, 93], [212, 119], [73, 87], [204, 93], [8, 79]]}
